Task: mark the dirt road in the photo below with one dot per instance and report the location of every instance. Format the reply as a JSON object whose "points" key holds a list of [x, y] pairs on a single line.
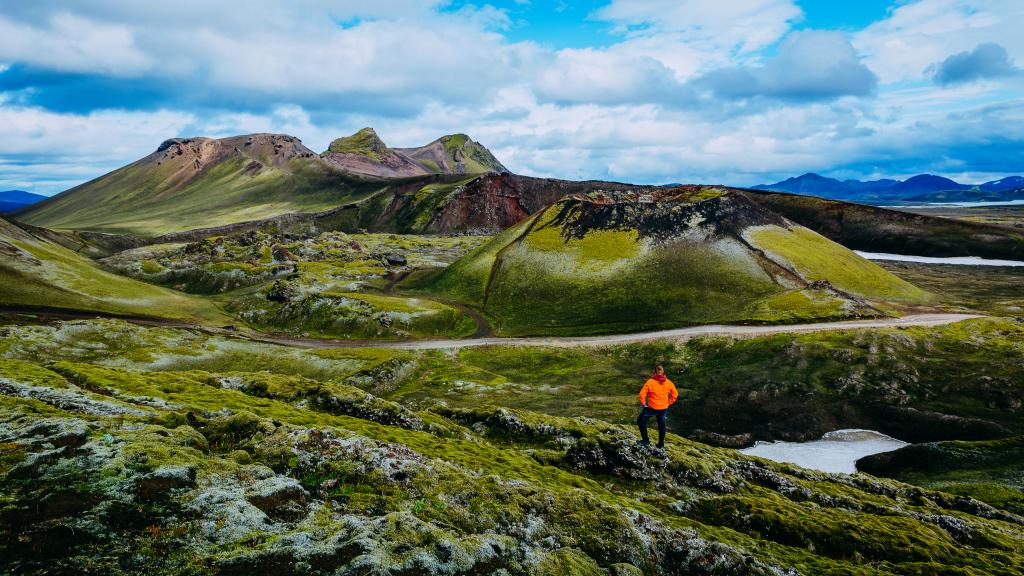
{"points": [[675, 334], [16, 314]]}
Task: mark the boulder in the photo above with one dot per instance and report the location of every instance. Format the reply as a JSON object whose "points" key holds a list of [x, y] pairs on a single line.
{"points": [[278, 496], [165, 479]]}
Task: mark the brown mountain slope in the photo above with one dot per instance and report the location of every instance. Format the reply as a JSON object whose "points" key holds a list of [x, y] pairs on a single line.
{"points": [[195, 182]]}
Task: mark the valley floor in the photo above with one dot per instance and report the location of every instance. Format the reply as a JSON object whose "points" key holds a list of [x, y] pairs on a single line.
{"points": [[253, 439]]}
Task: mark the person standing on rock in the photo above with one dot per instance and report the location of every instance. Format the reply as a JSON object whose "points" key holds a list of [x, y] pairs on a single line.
{"points": [[656, 396]]}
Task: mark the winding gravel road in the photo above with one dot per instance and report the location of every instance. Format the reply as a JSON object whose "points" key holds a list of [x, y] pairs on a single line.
{"points": [[39, 313], [674, 334]]}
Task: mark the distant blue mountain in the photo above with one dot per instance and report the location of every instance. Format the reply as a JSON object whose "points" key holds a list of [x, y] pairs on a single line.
{"points": [[811, 184], [919, 188], [11, 200], [1008, 183], [923, 184]]}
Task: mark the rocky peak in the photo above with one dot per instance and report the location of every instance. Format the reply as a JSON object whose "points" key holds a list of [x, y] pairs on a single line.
{"points": [[365, 142], [196, 152]]}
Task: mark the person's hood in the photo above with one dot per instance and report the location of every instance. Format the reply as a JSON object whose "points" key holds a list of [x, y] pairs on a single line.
{"points": [[659, 377]]}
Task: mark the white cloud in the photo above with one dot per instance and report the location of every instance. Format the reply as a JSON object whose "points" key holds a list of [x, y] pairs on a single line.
{"points": [[810, 65], [319, 69], [918, 34], [390, 53], [743, 25], [72, 43], [606, 77], [988, 60], [102, 136]]}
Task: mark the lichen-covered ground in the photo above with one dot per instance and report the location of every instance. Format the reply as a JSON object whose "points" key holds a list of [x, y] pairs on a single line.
{"points": [[126, 449], [330, 285]]}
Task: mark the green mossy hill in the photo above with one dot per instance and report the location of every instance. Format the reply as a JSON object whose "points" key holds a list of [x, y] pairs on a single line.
{"points": [[639, 260], [991, 471], [366, 154], [35, 272], [202, 182], [364, 143], [872, 229], [118, 471]]}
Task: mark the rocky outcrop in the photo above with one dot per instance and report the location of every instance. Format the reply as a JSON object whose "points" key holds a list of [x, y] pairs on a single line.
{"points": [[364, 153]]}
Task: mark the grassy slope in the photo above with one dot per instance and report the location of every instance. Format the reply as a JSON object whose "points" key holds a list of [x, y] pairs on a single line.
{"points": [[482, 472], [818, 258], [476, 157], [531, 280], [48, 275], [874, 229], [136, 199], [776, 387]]}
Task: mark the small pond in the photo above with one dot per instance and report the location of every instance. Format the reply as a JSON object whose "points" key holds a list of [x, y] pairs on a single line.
{"points": [[836, 451]]}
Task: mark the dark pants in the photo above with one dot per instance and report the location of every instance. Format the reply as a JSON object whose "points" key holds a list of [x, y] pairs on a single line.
{"points": [[645, 415]]}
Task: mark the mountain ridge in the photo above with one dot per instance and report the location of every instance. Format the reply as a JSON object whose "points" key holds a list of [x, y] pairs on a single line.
{"points": [[201, 182], [814, 184]]}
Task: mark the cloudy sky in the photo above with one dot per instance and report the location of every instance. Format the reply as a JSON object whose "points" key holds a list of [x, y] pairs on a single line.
{"points": [[651, 91]]}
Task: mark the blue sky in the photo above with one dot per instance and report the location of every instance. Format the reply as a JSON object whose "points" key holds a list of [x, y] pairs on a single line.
{"points": [[738, 92]]}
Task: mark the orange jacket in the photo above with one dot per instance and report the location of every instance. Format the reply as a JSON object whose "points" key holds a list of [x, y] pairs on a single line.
{"points": [[658, 395]]}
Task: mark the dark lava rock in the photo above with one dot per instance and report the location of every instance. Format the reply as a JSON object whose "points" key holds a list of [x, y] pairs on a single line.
{"points": [[762, 475], [723, 440], [395, 259], [248, 238], [616, 456], [282, 254]]}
